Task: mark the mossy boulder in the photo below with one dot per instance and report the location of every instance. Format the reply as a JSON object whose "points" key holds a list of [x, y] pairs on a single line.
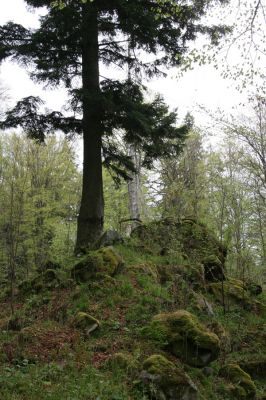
{"points": [[165, 380], [232, 293], [255, 367], [85, 322], [244, 387], [185, 337], [189, 238], [104, 261]]}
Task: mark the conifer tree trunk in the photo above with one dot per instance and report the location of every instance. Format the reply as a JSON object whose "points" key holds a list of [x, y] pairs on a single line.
{"points": [[90, 219]]}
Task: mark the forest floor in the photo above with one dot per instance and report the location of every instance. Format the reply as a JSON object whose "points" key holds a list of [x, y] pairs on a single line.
{"points": [[47, 353]]}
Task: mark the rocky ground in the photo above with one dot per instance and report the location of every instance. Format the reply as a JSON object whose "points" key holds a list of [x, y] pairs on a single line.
{"points": [[156, 317]]}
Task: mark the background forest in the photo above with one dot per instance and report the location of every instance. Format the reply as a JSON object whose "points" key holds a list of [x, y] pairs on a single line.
{"points": [[222, 185]]}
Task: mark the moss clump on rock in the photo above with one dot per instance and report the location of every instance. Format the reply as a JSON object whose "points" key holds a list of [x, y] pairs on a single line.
{"points": [[241, 380], [185, 337], [85, 322], [234, 293], [188, 237], [165, 380], [103, 261]]}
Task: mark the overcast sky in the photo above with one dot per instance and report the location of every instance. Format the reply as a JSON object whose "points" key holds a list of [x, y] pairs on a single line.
{"points": [[203, 85]]}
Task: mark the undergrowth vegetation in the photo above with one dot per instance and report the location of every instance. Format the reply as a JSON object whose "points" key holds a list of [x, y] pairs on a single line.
{"points": [[45, 354]]}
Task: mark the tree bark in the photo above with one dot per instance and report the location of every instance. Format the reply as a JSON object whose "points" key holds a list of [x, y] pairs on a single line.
{"points": [[134, 188], [91, 215]]}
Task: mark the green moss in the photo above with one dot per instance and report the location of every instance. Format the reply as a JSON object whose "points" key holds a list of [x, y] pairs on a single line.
{"points": [[234, 293], [240, 379], [112, 261], [183, 335], [166, 380], [185, 237], [85, 322], [198, 242], [104, 261]]}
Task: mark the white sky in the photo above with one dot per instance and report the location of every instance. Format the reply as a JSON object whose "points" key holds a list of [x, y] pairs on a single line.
{"points": [[203, 85]]}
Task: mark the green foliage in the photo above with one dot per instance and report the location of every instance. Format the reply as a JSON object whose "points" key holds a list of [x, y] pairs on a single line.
{"points": [[39, 193]]}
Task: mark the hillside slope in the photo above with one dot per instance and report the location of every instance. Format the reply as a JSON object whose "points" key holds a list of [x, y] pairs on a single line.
{"points": [[156, 317]]}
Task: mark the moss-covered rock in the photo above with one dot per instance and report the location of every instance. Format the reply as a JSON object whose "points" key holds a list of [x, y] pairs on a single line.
{"points": [[233, 292], [165, 380], [255, 367], [244, 386], [104, 261], [185, 337], [188, 237], [85, 322]]}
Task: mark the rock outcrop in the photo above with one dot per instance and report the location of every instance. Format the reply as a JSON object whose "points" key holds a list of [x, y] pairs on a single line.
{"points": [[165, 380], [184, 336]]}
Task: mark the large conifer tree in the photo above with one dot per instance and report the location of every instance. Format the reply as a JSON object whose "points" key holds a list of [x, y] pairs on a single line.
{"points": [[69, 47]]}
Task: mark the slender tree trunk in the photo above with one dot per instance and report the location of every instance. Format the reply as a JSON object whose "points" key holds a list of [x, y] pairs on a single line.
{"points": [[91, 215], [134, 188]]}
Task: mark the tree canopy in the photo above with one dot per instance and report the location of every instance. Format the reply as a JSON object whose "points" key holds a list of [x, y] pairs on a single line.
{"points": [[69, 49]]}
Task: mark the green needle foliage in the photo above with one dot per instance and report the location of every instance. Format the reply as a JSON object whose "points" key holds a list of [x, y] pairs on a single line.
{"points": [[69, 48]]}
